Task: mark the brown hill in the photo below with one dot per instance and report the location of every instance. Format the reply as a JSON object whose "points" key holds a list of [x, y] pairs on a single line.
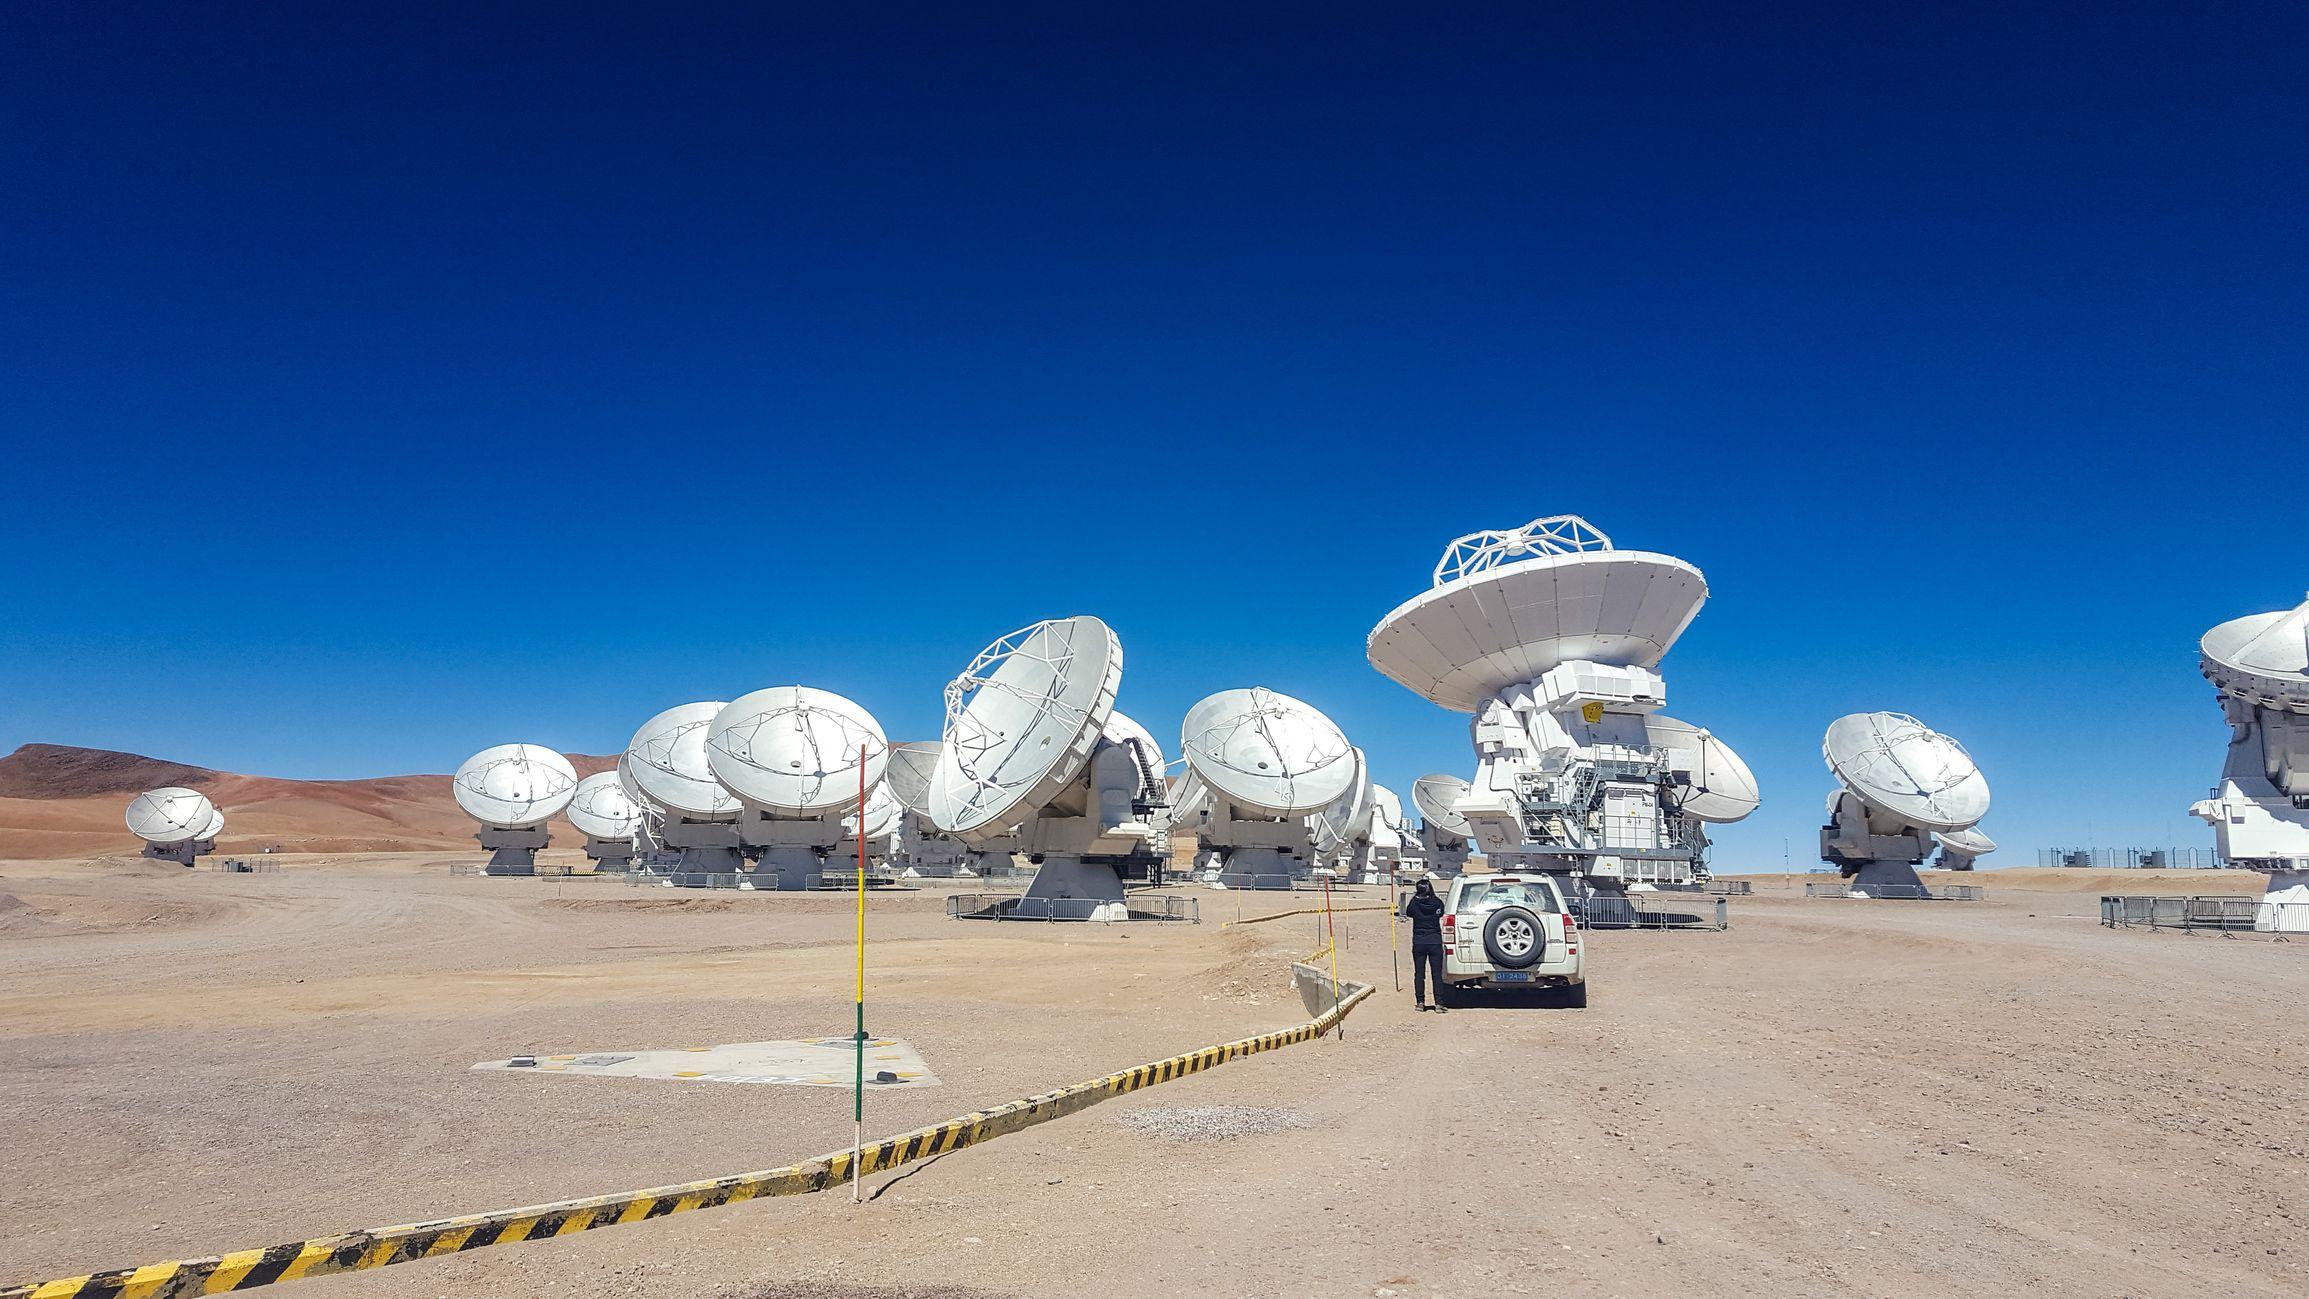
{"points": [[60, 801]]}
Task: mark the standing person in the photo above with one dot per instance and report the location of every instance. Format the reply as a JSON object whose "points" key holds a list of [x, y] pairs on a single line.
{"points": [[1425, 912]]}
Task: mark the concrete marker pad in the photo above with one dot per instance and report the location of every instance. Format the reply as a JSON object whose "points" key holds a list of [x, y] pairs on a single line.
{"points": [[817, 1062]]}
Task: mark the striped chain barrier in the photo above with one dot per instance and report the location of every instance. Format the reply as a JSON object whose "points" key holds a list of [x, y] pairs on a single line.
{"points": [[357, 1251]]}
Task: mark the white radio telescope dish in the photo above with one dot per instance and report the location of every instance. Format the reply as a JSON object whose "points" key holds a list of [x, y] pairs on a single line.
{"points": [[515, 786], [882, 812], [2263, 658], [1723, 790], [1122, 730], [908, 774], [1437, 796], [215, 824], [666, 763], [172, 814], [1268, 753], [1965, 843], [1022, 721], [1900, 766], [1348, 817], [795, 749], [1508, 606], [601, 809]]}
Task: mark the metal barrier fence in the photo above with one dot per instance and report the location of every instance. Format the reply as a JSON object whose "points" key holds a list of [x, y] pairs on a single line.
{"points": [[2227, 912], [1731, 888], [1610, 911], [2131, 858], [1261, 883], [1012, 906], [1910, 892], [246, 866]]}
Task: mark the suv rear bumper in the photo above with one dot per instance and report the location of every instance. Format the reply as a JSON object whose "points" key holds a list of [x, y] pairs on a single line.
{"points": [[1491, 979]]}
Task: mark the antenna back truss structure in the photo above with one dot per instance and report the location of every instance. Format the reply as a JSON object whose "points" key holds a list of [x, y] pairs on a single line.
{"points": [[1479, 552]]}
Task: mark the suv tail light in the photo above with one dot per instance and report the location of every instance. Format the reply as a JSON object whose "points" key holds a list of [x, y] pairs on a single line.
{"points": [[1570, 934], [1450, 927]]}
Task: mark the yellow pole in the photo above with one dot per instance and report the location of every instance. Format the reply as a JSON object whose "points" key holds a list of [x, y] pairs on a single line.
{"points": [[858, 1084]]}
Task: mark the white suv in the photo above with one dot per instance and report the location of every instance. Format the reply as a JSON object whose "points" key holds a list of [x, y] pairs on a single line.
{"points": [[1511, 931]]}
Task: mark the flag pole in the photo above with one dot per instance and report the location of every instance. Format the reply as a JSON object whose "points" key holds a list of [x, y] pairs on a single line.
{"points": [[858, 1081]]}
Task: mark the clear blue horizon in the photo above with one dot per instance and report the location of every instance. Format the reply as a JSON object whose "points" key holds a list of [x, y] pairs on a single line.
{"points": [[379, 388]]}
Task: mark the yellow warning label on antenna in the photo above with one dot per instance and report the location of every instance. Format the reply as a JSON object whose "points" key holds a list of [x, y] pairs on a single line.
{"points": [[1592, 712]]}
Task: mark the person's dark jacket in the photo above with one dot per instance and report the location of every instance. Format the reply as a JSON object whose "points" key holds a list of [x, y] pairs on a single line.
{"points": [[1425, 911]]}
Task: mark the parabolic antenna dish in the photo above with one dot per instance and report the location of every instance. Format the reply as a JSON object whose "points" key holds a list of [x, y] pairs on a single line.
{"points": [[1965, 843], [2263, 657], [908, 774], [215, 824], [1723, 789], [666, 764], [1507, 606], [882, 811], [171, 814], [1386, 807], [1900, 766], [1267, 753], [601, 809], [1022, 721], [1435, 796], [796, 749], [514, 786], [1122, 730], [1348, 817]]}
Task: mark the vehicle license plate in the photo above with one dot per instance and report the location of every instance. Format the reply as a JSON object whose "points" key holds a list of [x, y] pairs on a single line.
{"points": [[1511, 976]]}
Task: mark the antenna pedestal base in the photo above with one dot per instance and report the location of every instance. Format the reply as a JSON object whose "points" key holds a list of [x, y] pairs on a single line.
{"points": [[1069, 888], [1888, 879], [701, 848], [787, 867], [1258, 868], [183, 854], [513, 852], [610, 854]]}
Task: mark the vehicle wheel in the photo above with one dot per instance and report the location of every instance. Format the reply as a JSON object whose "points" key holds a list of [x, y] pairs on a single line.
{"points": [[1449, 997], [1513, 938], [1575, 996]]}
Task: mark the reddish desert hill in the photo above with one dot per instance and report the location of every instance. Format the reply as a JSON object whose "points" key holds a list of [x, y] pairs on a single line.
{"points": [[59, 801]]}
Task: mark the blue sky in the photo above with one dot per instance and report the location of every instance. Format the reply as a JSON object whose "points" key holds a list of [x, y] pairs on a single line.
{"points": [[381, 386]]}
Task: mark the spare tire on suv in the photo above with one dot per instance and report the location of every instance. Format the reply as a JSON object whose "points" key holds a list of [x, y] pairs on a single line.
{"points": [[1514, 939]]}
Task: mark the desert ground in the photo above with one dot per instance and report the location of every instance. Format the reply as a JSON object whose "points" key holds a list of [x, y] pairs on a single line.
{"points": [[1834, 1097]]}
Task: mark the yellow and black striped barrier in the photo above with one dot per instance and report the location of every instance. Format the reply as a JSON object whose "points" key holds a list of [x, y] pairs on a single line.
{"points": [[357, 1251]]}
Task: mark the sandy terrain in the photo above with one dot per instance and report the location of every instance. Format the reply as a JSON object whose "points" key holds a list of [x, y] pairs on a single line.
{"points": [[1833, 1098]]}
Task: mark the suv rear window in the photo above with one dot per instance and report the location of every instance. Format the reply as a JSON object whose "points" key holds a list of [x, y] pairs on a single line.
{"points": [[1480, 895]]}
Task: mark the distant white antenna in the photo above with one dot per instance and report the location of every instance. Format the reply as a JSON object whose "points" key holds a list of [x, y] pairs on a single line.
{"points": [[1443, 832], [513, 790], [1906, 788], [176, 824], [2260, 810], [665, 764], [923, 849], [1265, 762], [607, 816], [791, 755]]}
